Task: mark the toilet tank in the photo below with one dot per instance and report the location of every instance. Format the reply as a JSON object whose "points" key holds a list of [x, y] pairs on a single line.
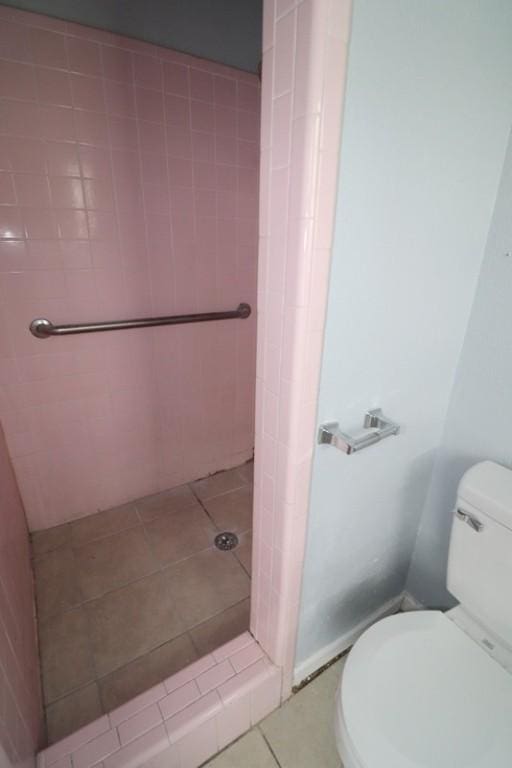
{"points": [[480, 557]]}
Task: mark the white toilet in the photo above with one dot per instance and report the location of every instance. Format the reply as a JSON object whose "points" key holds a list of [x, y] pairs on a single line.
{"points": [[434, 690]]}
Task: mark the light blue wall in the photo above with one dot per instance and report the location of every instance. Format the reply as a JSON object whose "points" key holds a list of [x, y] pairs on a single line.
{"points": [[228, 31], [427, 117], [479, 423]]}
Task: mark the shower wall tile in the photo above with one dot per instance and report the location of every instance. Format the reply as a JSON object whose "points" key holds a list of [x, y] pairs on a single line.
{"points": [[128, 187], [303, 65], [20, 695]]}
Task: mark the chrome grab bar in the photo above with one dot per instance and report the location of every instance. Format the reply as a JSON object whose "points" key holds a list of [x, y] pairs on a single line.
{"points": [[43, 328], [377, 428]]}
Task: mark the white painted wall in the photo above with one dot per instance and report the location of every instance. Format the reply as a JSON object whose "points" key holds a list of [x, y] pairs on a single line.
{"points": [[427, 116], [479, 422]]}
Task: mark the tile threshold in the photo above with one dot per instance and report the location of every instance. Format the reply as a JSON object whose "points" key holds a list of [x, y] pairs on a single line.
{"points": [[102, 678], [212, 702]]}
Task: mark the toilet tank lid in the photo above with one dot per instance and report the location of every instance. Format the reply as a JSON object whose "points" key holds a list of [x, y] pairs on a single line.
{"points": [[487, 487]]}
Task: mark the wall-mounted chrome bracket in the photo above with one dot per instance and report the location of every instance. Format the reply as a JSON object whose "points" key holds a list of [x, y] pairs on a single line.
{"points": [[376, 427]]}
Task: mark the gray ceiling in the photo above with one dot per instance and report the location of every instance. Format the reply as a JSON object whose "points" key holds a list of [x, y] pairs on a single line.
{"points": [[228, 31]]}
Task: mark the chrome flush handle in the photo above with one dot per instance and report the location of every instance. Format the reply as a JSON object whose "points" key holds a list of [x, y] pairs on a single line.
{"points": [[471, 520]]}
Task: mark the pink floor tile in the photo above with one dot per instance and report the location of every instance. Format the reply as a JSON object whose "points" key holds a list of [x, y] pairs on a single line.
{"points": [[139, 724], [215, 676], [96, 750], [245, 657], [179, 699]]}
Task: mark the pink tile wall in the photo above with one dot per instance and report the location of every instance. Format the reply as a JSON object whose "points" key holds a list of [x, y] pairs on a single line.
{"points": [[184, 720], [304, 59], [128, 187], [20, 700]]}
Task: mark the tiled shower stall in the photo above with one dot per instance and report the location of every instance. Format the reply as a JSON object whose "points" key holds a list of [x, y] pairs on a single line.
{"points": [[129, 188], [143, 200]]}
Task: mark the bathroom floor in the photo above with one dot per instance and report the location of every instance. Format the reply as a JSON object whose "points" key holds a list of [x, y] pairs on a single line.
{"points": [[300, 734], [130, 595]]}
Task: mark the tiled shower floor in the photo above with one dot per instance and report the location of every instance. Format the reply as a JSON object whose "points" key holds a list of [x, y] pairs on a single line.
{"points": [[129, 596]]}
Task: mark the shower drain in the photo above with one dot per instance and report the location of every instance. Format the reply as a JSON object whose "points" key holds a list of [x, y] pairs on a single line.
{"points": [[226, 540]]}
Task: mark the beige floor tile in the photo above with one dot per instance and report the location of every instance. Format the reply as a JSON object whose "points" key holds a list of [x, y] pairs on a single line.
{"points": [[243, 552], [113, 561], [66, 659], [177, 535], [232, 511], [247, 472], [72, 712], [49, 539], [104, 523], [206, 584], [217, 484], [301, 732], [221, 628], [56, 584], [158, 504], [250, 751], [148, 670], [131, 621]]}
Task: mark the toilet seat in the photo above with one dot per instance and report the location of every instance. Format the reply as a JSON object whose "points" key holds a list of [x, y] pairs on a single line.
{"points": [[417, 692]]}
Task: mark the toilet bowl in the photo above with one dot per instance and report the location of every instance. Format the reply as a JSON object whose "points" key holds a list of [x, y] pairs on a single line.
{"points": [[428, 689]]}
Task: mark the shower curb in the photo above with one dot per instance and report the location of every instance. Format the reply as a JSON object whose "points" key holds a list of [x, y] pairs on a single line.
{"points": [[186, 719]]}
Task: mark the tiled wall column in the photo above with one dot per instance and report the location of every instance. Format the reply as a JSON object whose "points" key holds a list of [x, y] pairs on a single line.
{"points": [[21, 717], [304, 60]]}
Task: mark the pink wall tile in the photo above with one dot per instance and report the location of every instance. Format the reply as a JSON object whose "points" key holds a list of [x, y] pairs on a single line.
{"points": [[88, 92], [176, 79], [234, 720], [179, 699], [297, 200], [48, 48], [83, 56], [244, 681], [196, 747], [17, 81], [201, 85], [139, 724], [245, 657], [192, 716], [105, 177], [139, 751], [53, 87], [117, 64], [21, 729]]}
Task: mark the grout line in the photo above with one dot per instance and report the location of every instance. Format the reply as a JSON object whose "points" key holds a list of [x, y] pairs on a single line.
{"points": [[98, 679], [204, 508], [160, 568], [269, 745]]}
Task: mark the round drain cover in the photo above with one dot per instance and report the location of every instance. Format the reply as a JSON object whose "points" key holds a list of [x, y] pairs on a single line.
{"points": [[226, 540]]}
